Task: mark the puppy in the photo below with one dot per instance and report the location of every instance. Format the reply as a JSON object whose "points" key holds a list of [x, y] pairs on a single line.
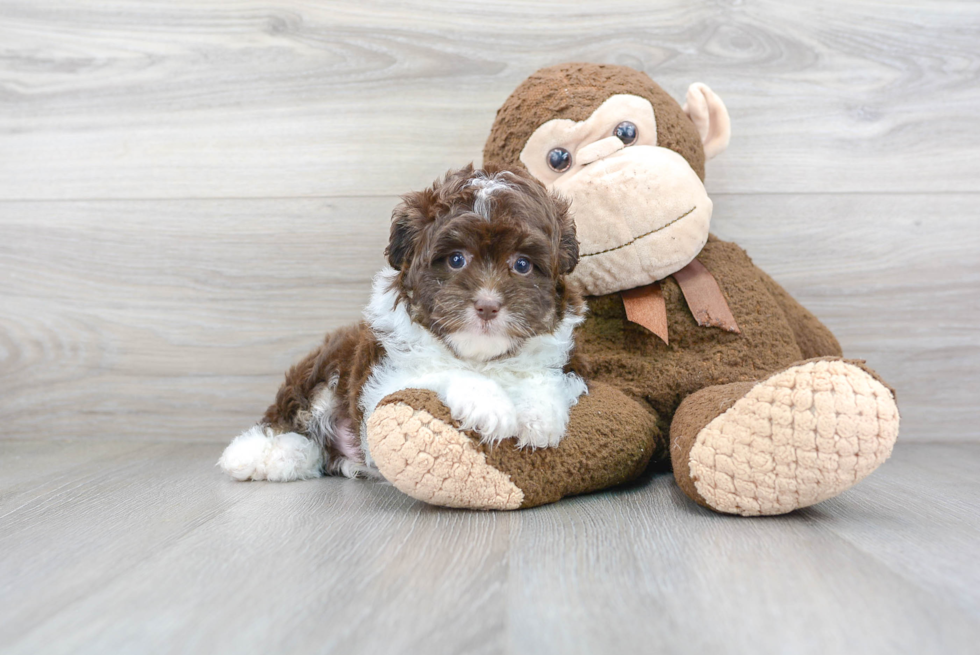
{"points": [[474, 307]]}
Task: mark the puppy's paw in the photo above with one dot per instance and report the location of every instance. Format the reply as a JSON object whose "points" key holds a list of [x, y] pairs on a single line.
{"points": [[484, 407], [260, 454], [541, 426]]}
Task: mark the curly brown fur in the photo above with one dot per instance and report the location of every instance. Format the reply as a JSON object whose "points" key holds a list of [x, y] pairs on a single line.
{"points": [[518, 218], [339, 366]]}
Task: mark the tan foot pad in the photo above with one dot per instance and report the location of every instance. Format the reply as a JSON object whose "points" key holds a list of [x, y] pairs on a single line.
{"points": [[797, 438], [439, 465]]}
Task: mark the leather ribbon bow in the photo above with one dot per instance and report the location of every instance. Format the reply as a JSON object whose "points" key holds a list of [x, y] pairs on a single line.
{"points": [[645, 305]]}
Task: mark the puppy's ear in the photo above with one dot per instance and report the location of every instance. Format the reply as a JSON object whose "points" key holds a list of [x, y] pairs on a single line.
{"points": [[408, 221], [567, 239]]}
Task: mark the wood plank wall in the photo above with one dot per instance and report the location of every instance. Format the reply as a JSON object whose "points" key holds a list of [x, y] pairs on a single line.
{"points": [[192, 193]]}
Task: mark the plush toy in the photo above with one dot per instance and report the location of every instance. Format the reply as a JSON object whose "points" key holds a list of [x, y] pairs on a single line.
{"points": [[697, 356]]}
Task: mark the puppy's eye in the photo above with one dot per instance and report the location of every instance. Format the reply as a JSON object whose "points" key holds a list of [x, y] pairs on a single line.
{"points": [[559, 160], [457, 260], [626, 132], [522, 266]]}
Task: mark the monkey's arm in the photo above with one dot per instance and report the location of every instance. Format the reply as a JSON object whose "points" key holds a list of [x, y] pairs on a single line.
{"points": [[418, 448], [812, 336]]}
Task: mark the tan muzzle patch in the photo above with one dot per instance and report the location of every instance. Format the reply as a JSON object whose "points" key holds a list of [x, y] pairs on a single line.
{"points": [[641, 214]]}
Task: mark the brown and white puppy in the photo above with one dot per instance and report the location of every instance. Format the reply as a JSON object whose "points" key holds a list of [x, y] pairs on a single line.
{"points": [[474, 307]]}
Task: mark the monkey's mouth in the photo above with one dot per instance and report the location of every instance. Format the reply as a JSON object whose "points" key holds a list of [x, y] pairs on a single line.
{"points": [[642, 236]]}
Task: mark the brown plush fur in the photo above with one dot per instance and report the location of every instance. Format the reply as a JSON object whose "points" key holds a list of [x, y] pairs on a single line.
{"points": [[639, 363], [573, 92]]}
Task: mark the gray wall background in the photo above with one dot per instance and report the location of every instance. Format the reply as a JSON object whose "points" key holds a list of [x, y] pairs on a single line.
{"points": [[192, 193]]}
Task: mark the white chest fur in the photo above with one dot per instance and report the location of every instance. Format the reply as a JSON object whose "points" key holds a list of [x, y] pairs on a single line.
{"points": [[526, 395]]}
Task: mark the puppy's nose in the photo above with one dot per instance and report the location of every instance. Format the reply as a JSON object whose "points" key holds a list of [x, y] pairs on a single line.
{"points": [[487, 309]]}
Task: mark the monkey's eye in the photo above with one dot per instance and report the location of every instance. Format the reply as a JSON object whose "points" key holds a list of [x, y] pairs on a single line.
{"points": [[559, 159], [522, 266], [457, 260], [626, 132]]}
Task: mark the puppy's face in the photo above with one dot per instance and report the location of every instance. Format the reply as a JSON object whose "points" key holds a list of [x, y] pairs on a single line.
{"points": [[482, 257]]}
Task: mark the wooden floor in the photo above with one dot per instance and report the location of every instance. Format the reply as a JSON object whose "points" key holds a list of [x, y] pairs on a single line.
{"points": [[119, 546], [193, 192]]}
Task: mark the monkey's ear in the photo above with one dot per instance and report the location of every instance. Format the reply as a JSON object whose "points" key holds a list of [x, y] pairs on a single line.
{"points": [[710, 117], [408, 221], [567, 239]]}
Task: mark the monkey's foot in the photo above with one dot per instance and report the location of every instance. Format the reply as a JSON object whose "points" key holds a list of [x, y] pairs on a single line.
{"points": [[800, 436], [419, 449]]}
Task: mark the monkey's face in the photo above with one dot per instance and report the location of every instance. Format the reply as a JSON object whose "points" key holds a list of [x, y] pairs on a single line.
{"points": [[641, 212]]}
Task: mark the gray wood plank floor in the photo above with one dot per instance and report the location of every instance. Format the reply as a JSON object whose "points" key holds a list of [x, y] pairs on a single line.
{"points": [[119, 546]]}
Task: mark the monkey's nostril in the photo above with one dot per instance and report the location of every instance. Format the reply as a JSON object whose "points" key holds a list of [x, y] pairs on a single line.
{"points": [[487, 309]]}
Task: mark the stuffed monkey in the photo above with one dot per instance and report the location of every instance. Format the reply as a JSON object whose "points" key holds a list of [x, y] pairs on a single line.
{"points": [[697, 357]]}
